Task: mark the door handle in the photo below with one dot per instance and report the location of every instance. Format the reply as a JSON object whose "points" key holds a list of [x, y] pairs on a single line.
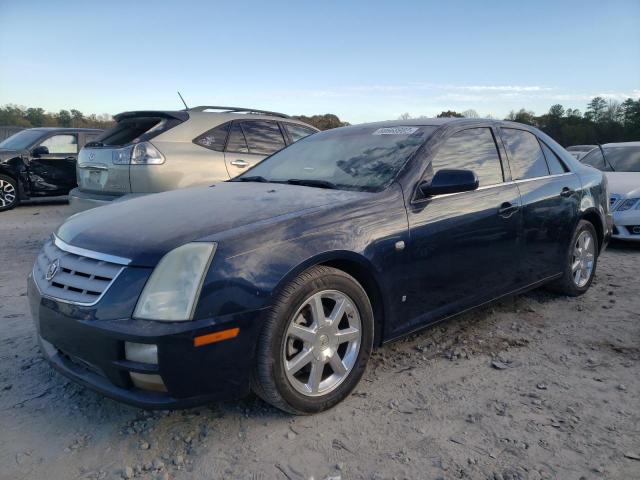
{"points": [[567, 192], [239, 163], [507, 209]]}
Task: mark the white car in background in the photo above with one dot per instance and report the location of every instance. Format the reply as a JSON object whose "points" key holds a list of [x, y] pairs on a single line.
{"points": [[621, 164]]}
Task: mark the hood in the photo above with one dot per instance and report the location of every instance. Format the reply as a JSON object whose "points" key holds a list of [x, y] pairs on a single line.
{"points": [[145, 228], [623, 183]]}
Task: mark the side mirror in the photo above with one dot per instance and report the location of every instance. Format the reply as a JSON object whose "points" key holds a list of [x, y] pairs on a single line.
{"points": [[450, 181], [41, 150]]}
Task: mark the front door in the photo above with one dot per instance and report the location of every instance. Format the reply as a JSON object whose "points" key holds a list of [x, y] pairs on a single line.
{"points": [[54, 173], [463, 247]]}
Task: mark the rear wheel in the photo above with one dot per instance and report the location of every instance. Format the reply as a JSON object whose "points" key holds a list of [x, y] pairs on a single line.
{"points": [[315, 343], [581, 262], [8, 193]]}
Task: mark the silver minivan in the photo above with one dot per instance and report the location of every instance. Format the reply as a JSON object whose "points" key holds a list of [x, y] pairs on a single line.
{"points": [[154, 151]]}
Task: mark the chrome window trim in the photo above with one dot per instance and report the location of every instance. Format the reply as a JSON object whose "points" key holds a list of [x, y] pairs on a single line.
{"points": [[494, 185], [89, 253]]}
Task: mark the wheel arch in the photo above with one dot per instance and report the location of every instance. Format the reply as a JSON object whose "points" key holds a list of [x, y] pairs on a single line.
{"points": [[360, 268], [593, 217]]}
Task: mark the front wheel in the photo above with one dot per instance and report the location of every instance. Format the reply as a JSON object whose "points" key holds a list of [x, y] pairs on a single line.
{"points": [[581, 261], [8, 193], [315, 343]]}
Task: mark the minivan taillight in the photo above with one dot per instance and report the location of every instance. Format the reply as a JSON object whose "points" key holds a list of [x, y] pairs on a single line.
{"points": [[142, 153], [146, 154]]}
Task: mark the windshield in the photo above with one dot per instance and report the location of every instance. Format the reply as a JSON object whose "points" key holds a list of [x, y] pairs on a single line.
{"points": [[354, 158], [21, 140], [623, 159]]}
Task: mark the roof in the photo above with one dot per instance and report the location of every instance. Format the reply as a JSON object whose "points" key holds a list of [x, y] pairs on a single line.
{"points": [[435, 122], [66, 129], [621, 144]]}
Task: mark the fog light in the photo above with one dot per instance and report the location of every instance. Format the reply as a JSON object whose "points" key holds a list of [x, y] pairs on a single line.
{"points": [[141, 352], [144, 381]]}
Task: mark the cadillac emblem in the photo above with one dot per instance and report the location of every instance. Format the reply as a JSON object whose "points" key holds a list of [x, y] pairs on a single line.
{"points": [[52, 269]]}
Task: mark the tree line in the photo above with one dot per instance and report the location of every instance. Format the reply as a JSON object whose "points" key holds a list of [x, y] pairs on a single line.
{"points": [[602, 122], [14, 115], [17, 116]]}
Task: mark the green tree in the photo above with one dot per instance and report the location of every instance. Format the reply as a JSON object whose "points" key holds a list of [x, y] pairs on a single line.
{"points": [[64, 118], [595, 109], [36, 116], [450, 114], [522, 116]]}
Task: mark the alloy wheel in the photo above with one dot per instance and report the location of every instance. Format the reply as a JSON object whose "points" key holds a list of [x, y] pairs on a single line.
{"points": [[7, 193], [583, 258], [322, 343]]}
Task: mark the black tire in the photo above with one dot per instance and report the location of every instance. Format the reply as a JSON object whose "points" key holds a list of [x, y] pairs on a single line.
{"points": [[8, 184], [269, 380], [566, 285]]}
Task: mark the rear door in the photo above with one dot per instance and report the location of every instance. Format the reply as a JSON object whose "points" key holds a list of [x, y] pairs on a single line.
{"points": [[54, 173], [249, 142], [550, 196]]}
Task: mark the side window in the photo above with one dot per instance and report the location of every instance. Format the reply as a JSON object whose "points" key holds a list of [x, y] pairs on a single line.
{"points": [[263, 137], [236, 142], [215, 138], [61, 144], [473, 149], [555, 165], [525, 155], [595, 159], [297, 132]]}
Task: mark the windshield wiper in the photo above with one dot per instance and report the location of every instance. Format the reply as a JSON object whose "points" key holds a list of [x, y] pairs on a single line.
{"points": [[254, 178], [312, 183]]}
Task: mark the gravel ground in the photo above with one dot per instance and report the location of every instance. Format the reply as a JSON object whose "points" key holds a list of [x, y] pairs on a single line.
{"points": [[534, 387]]}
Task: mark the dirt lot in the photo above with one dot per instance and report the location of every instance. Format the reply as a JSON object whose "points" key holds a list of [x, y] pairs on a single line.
{"points": [[534, 387]]}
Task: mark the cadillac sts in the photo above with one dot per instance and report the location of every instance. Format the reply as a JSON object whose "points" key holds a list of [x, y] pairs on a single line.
{"points": [[283, 279]]}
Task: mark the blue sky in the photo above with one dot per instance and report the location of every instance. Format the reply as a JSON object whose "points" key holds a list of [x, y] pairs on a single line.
{"points": [[363, 61]]}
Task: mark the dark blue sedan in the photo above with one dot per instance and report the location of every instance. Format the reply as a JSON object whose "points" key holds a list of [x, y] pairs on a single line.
{"points": [[284, 279]]}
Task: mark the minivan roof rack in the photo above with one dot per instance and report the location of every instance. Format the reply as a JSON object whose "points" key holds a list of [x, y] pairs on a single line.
{"points": [[202, 108]]}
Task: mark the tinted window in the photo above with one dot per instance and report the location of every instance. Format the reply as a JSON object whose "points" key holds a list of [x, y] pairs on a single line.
{"points": [[61, 144], [525, 155], [473, 149], [595, 159], [353, 158], [236, 142], [296, 132], [215, 138], [263, 137], [623, 159], [555, 165]]}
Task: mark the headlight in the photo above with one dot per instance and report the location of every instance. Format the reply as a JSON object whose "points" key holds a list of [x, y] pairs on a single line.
{"points": [[627, 204], [171, 292]]}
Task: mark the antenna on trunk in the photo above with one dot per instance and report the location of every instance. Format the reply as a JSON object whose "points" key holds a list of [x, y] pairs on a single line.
{"points": [[185, 103]]}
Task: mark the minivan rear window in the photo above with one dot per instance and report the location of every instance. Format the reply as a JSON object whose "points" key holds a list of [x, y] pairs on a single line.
{"points": [[134, 128]]}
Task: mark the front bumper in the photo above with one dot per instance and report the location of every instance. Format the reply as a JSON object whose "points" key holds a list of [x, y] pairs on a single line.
{"points": [[91, 352], [627, 225]]}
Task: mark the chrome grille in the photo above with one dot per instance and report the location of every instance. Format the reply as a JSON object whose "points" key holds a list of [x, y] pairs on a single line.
{"points": [[72, 277]]}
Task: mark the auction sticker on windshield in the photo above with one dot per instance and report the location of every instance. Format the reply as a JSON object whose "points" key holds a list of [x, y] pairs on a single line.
{"points": [[395, 131]]}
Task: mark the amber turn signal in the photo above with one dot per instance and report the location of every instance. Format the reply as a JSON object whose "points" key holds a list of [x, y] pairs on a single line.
{"points": [[215, 337]]}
